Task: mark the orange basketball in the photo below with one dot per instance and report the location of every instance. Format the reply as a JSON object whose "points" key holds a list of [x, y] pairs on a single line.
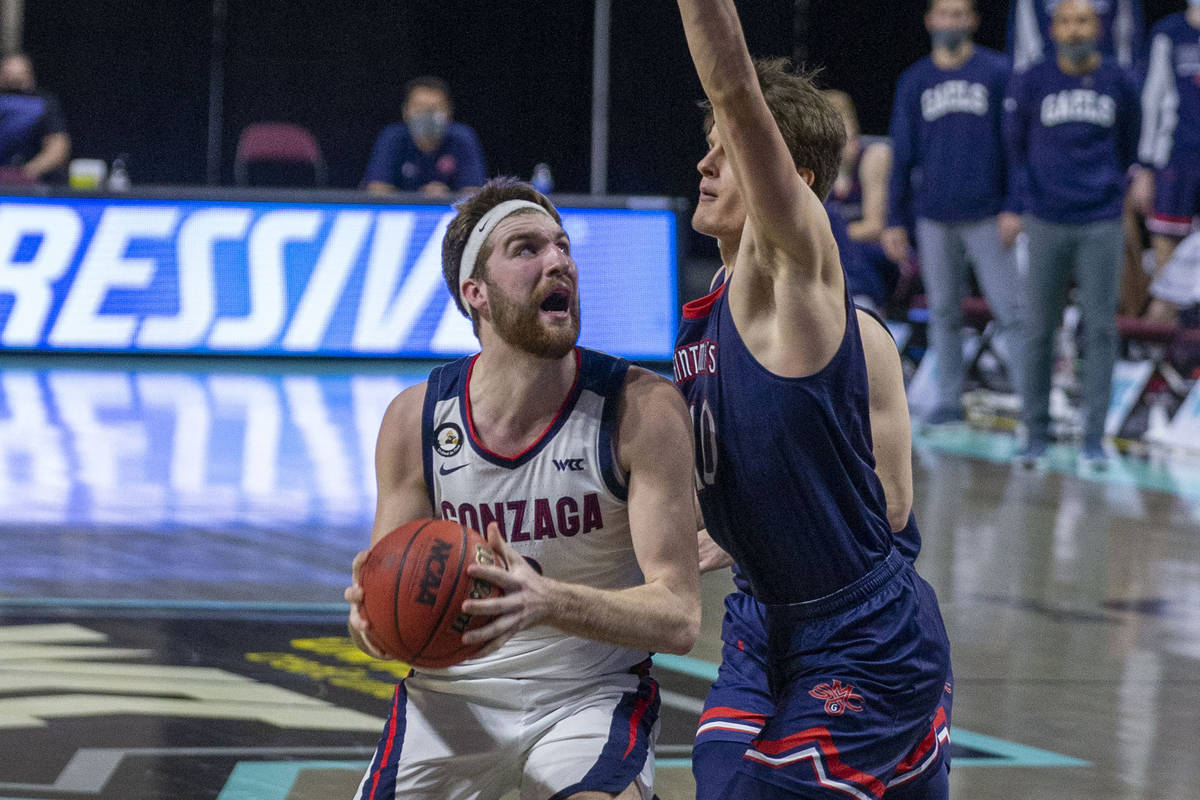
{"points": [[414, 583]]}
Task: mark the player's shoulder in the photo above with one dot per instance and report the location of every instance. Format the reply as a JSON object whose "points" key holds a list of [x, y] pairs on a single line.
{"points": [[402, 420], [652, 411]]}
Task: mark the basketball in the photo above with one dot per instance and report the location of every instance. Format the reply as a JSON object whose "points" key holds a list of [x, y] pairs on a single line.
{"points": [[414, 582]]}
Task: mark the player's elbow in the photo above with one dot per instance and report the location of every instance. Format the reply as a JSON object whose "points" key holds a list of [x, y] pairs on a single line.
{"points": [[897, 515], [682, 636]]}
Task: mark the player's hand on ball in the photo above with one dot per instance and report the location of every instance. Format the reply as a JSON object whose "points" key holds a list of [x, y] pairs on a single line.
{"points": [[525, 601], [359, 628]]}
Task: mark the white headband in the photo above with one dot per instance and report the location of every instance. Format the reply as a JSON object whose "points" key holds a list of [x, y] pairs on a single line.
{"points": [[479, 235]]}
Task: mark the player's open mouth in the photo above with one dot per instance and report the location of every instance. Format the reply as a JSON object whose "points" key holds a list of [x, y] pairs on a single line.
{"points": [[559, 300]]}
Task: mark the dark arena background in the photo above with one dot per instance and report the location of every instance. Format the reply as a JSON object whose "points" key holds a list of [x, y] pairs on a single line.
{"points": [[186, 458]]}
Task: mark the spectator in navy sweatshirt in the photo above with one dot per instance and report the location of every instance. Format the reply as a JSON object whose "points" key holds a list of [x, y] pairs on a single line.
{"points": [[950, 173], [1072, 127]]}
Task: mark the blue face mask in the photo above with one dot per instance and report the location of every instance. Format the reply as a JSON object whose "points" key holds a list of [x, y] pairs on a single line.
{"points": [[949, 38], [1077, 52]]}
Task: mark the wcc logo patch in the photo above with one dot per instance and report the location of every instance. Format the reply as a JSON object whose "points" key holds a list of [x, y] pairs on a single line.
{"points": [[447, 439], [838, 699]]}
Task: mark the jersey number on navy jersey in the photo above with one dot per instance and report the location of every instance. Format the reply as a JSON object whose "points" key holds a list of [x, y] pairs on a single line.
{"points": [[705, 426]]}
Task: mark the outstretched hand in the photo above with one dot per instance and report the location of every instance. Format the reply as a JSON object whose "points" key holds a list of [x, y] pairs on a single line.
{"points": [[526, 600]]}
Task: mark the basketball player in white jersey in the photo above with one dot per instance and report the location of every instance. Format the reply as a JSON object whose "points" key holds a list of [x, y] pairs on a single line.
{"points": [[579, 467]]}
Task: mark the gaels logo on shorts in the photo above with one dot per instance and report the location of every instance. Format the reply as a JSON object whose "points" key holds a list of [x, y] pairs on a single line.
{"points": [[447, 439], [838, 699]]}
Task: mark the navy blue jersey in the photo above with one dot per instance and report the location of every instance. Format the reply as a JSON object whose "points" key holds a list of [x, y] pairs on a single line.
{"points": [[1171, 95], [396, 159], [1072, 139], [784, 469], [948, 158], [1122, 31]]}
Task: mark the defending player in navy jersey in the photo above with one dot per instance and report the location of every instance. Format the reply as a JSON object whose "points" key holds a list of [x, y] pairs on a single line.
{"points": [[773, 368], [579, 467]]}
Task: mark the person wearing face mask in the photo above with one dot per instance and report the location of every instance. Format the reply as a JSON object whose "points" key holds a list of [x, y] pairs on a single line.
{"points": [[1072, 128], [33, 134], [950, 173], [428, 152], [1168, 186], [1122, 31]]}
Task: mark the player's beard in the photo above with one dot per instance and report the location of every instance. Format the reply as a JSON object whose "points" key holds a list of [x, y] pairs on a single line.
{"points": [[517, 323]]}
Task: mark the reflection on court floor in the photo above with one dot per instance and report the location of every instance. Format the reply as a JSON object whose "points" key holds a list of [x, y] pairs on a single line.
{"points": [[148, 447]]}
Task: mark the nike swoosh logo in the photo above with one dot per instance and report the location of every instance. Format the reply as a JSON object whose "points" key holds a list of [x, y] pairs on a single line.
{"points": [[442, 470]]}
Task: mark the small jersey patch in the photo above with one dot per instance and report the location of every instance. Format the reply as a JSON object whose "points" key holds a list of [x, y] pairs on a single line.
{"points": [[448, 439]]}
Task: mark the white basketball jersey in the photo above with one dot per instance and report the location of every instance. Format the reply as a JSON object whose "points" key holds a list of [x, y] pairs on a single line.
{"points": [[561, 504]]}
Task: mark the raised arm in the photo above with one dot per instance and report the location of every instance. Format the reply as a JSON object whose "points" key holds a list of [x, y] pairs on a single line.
{"points": [[402, 495], [663, 613], [787, 225]]}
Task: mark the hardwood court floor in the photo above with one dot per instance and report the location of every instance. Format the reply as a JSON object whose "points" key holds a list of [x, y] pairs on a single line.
{"points": [[175, 537]]}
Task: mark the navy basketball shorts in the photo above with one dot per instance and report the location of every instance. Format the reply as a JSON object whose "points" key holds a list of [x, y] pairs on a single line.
{"points": [[1176, 196], [823, 700]]}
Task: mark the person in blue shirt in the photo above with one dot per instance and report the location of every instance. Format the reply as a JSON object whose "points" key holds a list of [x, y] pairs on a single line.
{"points": [[1121, 36], [1168, 186], [1072, 126], [950, 172], [428, 152], [33, 134]]}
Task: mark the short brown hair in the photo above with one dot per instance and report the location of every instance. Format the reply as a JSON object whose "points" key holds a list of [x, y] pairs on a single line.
{"points": [[470, 210], [812, 128]]}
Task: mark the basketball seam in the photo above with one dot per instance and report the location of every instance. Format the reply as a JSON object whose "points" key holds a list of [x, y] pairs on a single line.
{"points": [[436, 628], [399, 577]]}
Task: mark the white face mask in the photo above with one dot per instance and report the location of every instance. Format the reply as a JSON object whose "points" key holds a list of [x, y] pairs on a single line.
{"points": [[429, 124]]}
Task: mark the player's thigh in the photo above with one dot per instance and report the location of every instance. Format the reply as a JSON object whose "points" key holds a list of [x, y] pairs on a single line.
{"points": [[599, 739], [445, 747]]}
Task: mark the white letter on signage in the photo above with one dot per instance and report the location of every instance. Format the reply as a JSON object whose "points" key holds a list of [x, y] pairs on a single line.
{"points": [[268, 240], [194, 255], [383, 322], [105, 266], [29, 281], [327, 281]]}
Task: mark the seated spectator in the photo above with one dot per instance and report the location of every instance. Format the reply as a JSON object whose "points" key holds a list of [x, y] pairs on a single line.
{"points": [[1178, 283], [428, 152], [33, 134], [859, 196]]}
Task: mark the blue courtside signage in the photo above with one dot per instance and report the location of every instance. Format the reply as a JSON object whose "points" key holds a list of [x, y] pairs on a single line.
{"points": [[295, 278]]}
